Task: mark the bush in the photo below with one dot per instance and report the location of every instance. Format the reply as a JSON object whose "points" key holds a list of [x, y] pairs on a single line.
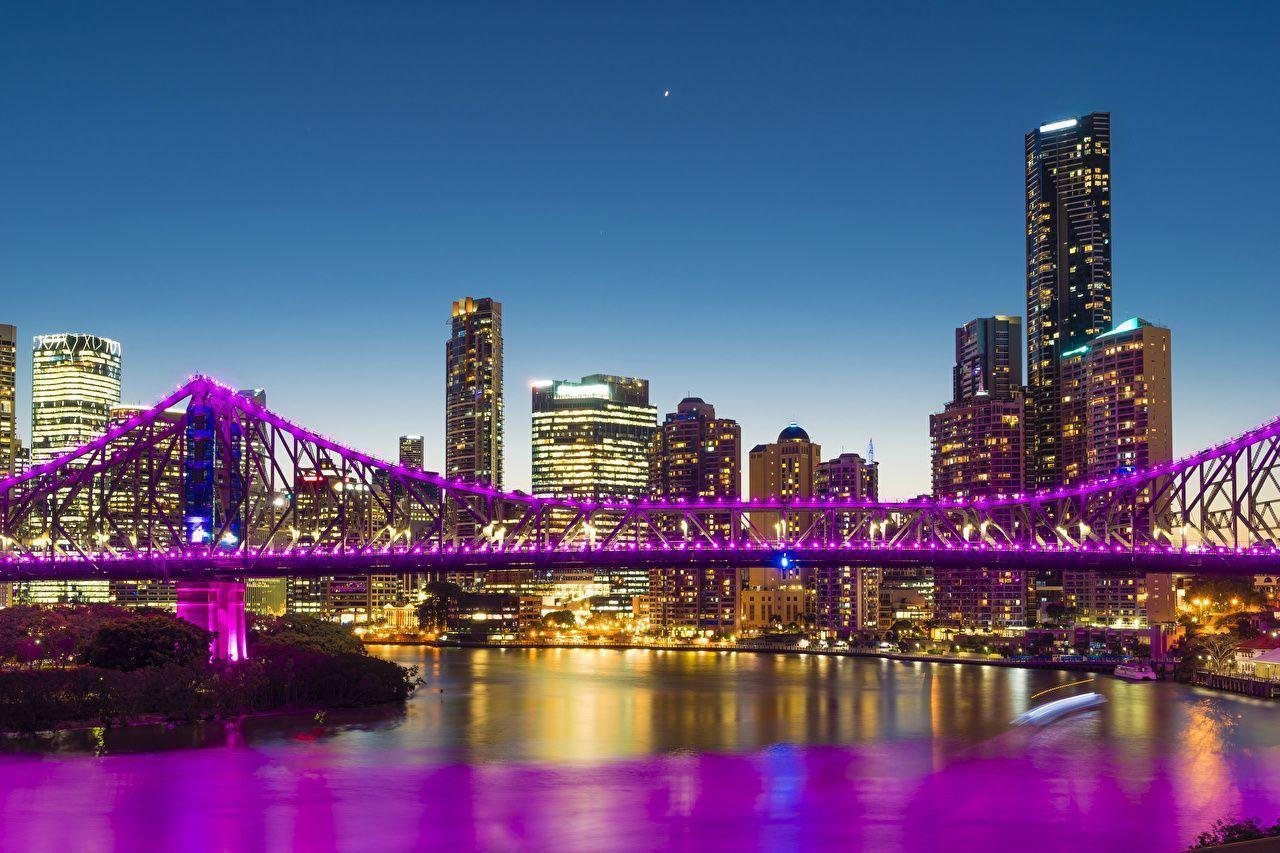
{"points": [[1229, 832], [139, 642], [310, 632]]}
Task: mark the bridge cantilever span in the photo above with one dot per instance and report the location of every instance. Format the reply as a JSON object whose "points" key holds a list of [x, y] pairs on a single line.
{"points": [[209, 483]]}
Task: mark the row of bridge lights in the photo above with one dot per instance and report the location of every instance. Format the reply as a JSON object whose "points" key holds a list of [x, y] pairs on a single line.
{"points": [[1270, 550], [495, 534]]}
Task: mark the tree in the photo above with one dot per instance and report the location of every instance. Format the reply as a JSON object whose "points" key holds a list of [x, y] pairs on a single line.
{"points": [[1217, 652], [309, 632], [560, 619], [140, 642], [441, 602]]}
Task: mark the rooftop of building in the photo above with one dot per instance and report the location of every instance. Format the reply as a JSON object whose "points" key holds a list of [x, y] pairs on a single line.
{"points": [[793, 432]]}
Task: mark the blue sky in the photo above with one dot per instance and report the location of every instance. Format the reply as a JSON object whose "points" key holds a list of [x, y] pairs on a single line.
{"points": [[290, 195]]}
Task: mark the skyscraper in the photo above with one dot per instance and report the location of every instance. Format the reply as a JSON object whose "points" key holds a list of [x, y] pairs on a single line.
{"points": [[1068, 171], [977, 440], [787, 468], [988, 359], [695, 454], [1117, 402], [412, 451], [591, 438], [75, 381], [8, 400], [473, 392], [848, 477]]}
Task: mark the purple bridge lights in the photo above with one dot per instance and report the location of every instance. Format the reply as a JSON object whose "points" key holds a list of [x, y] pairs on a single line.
{"points": [[208, 486]]}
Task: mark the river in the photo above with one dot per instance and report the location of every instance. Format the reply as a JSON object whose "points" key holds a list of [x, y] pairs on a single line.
{"points": [[581, 749]]}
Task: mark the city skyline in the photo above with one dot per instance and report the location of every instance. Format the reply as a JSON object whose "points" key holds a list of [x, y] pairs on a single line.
{"points": [[749, 226]]}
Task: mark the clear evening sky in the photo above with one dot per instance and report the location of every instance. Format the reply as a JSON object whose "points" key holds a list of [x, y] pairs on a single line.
{"points": [[291, 195]]}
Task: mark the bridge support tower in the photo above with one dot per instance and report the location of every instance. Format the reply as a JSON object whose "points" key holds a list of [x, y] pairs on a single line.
{"points": [[216, 606]]}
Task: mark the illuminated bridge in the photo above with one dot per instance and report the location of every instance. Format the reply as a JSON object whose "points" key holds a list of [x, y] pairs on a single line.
{"points": [[210, 486]]}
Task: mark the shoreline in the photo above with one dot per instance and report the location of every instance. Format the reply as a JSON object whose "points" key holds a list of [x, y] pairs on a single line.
{"points": [[144, 720], [1104, 667]]}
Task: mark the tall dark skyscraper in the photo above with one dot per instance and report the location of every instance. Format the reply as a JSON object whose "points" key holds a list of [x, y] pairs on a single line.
{"points": [[1068, 167], [473, 392]]}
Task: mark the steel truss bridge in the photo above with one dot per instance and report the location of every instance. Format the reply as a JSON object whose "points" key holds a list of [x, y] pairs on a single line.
{"points": [[209, 485]]}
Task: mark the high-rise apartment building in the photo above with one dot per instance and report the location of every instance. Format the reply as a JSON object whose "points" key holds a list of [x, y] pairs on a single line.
{"points": [[473, 392], [787, 468], [848, 477], [977, 440], [695, 454], [1068, 225], [412, 451], [977, 449], [75, 381], [591, 438], [988, 598], [1117, 402], [8, 400]]}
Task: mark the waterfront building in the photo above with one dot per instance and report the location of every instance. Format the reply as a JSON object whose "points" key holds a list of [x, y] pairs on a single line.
{"points": [[689, 601], [591, 438], [473, 392], [772, 599], [412, 451], [1105, 598], [977, 440], [75, 380], [1117, 402], [8, 400], [1068, 234], [786, 468], [846, 600], [990, 599]]}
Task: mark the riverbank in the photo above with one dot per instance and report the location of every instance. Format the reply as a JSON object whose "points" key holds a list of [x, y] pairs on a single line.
{"points": [[909, 657]]}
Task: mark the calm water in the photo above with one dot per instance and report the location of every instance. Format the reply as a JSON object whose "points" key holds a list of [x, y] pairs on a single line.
{"points": [[598, 750]]}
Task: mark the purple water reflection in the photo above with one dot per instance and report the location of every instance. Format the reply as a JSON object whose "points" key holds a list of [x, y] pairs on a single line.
{"points": [[590, 750]]}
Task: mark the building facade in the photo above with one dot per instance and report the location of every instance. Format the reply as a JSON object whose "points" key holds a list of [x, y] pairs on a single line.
{"points": [[1068, 232], [988, 359], [8, 400], [412, 451], [473, 429], [591, 438], [75, 380], [846, 600], [1117, 402], [695, 454], [988, 599], [787, 468], [977, 440]]}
